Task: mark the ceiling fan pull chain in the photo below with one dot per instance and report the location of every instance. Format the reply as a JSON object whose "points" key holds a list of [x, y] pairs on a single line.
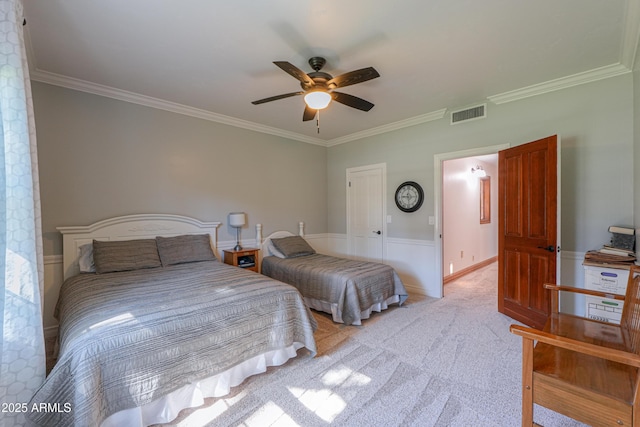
{"points": [[318, 121]]}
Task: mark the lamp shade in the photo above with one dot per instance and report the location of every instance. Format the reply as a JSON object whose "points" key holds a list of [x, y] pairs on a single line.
{"points": [[317, 99], [237, 219]]}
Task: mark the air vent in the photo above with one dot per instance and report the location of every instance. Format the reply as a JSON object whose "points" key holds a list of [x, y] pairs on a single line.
{"points": [[473, 113]]}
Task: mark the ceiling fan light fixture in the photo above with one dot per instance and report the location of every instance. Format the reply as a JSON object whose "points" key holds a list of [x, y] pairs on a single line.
{"points": [[318, 99]]}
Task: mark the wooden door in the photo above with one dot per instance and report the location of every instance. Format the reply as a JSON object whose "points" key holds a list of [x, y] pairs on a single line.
{"points": [[365, 212], [527, 224]]}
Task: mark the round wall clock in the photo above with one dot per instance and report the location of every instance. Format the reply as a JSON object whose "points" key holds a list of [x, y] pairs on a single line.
{"points": [[409, 196]]}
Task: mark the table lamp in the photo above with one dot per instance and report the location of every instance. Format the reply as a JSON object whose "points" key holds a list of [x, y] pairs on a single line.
{"points": [[237, 220]]}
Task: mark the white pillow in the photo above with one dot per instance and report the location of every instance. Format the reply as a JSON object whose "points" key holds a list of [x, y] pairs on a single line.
{"points": [[273, 251], [85, 261]]}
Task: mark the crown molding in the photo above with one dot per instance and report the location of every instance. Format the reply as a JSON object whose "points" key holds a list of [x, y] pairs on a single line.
{"points": [[631, 34], [134, 98], [435, 115], [538, 89], [561, 83]]}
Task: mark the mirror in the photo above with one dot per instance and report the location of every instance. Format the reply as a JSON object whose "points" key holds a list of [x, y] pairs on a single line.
{"points": [[485, 200]]}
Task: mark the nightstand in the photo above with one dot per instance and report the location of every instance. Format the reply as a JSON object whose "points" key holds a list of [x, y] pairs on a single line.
{"points": [[248, 258]]}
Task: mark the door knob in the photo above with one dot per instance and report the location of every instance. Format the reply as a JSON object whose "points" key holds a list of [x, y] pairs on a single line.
{"points": [[549, 248], [377, 232]]}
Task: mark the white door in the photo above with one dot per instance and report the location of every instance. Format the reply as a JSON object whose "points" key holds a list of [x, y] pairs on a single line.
{"points": [[366, 212]]}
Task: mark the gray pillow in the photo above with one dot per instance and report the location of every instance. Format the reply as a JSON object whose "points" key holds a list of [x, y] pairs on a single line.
{"points": [[186, 248], [124, 255], [293, 246]]}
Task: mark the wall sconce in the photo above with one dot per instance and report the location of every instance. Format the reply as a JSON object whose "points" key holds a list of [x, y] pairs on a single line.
{"points": [[479, 171], [237, 220]]}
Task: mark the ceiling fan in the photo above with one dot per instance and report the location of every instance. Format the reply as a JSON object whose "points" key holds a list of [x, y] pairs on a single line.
{"points": [[318, 87]]}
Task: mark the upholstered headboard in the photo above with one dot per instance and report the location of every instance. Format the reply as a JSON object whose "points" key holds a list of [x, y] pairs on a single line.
{"points": [[130, 227]]}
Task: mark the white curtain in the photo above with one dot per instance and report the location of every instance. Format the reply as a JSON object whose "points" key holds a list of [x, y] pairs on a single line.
{"points": [[22, 354]]}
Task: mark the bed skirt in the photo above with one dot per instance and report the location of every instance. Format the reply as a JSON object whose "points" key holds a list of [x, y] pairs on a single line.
{"points": [[167, 408], [336, 313]]}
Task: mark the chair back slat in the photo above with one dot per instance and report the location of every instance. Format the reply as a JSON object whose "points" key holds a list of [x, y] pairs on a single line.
{"points": [[630, 321]]}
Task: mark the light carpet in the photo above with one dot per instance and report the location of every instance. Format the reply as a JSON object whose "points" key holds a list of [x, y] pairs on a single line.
{"points": [[433, 362]]}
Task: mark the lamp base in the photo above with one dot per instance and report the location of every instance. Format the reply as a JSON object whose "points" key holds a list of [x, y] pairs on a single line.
{"points": [[238, 247]]}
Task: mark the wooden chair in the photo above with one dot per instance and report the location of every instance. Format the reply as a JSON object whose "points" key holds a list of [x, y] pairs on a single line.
{"points": [[585, 369]]}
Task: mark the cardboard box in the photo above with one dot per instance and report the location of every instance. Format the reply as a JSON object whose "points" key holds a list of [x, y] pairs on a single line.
{"points": [[604, 309], [605, 279]]}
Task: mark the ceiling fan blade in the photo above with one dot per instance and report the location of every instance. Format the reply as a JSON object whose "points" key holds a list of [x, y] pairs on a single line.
{"points": [[275, 98], [309, 113], [295, 72], [353, 77], [351, 101]]}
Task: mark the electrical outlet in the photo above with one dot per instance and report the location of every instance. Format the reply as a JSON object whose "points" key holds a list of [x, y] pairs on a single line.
{"points": [[432, 220]]}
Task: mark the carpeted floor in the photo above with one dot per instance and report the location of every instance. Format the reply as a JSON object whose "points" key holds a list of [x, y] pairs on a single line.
{"points": [[447, 362]]}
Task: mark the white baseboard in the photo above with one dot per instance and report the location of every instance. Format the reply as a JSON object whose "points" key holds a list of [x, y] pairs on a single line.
{"points": [[414, 290]]}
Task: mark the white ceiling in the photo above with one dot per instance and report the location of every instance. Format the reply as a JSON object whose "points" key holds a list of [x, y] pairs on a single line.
{"points": [[210, 59]]}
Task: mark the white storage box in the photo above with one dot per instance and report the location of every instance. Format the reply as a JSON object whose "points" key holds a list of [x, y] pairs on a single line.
{"points": [[605, 279], [611, 280], [604, 309]]}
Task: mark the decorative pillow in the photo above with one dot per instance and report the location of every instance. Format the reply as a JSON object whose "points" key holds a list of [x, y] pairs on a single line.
{"points": [[293, 246], [185, 248], [85, 261], [124, 255]]}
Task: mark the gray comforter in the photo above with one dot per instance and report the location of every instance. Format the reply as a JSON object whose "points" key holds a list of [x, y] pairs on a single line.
{"points": [[129, 338], [353, 285]]}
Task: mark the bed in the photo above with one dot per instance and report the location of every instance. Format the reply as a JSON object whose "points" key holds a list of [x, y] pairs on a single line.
{"points": [[137, 346], [347, 289]]}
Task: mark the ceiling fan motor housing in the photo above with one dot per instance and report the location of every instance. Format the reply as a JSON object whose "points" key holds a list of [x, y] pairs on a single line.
{"points": [[320, 79], [317, 63]]}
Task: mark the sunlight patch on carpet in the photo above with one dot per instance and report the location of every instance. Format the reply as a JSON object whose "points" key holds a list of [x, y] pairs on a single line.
{"points": [[345, 376], [268, 415], [324, 403]]}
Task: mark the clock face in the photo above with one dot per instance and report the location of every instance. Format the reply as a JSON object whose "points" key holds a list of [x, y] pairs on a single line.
{"points": [[409, 196]]}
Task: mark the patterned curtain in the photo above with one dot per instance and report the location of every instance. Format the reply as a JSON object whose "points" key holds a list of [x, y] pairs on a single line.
{"points": [[22, 354]]}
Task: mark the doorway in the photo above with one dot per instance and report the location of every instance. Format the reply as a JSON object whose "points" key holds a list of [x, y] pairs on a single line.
{"points": [[439, 160], [469, 220]]}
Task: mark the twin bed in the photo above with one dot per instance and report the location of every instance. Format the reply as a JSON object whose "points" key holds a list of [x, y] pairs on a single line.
{"points": [[347, 289], [151, 322]]}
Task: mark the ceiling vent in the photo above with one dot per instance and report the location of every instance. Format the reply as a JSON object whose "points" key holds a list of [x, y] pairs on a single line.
{"points": [[473, 113]]}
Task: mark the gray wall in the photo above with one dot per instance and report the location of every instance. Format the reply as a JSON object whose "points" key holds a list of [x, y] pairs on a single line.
{"points": [[99, 157], [595, 122]]}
